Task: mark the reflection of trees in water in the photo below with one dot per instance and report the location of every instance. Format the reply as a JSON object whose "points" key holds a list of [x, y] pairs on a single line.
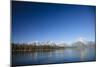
{"points": [[60, 53], [49, 53], [63, 55]]}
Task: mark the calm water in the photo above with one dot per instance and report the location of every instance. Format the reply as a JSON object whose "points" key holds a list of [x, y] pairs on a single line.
{"points": [[56, 56]]}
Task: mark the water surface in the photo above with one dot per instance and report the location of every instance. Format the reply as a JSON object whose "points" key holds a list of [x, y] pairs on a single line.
{"points": [[57, 56]]}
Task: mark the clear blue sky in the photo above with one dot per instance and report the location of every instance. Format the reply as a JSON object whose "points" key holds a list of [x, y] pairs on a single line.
{"points": [[42, 22]]}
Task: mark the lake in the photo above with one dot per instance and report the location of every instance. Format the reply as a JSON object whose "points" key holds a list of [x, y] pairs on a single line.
{"points": [[50, 57]]}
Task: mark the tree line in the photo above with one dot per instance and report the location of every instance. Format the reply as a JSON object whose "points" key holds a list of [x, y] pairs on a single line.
{"points": [[34, 47]]}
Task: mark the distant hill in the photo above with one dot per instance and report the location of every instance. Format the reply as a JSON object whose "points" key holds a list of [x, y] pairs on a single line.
{"points": [[82, 44]]}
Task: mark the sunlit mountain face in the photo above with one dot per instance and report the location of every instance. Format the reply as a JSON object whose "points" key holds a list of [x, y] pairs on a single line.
{"points": [[82, 43]]}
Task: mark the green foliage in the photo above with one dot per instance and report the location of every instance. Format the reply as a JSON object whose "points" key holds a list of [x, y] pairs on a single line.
{"points": [[34, 47]]}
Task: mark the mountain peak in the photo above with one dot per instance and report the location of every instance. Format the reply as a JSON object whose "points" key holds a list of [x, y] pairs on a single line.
{"points": [[82, 40]]}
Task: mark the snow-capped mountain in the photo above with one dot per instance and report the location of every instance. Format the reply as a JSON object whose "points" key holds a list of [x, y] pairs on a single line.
{"points": [[83, 43]]}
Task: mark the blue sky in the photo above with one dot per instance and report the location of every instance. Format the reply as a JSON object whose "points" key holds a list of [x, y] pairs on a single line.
{"points": [[43, 22]]}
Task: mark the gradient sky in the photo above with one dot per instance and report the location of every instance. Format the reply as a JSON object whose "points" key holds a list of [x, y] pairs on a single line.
{"points": [[43, 22]]}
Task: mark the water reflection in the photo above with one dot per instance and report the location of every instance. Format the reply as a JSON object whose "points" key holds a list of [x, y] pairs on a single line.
{"points": [[56, 56]]}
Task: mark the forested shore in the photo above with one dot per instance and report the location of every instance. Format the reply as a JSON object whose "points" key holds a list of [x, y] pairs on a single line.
{"points": [[32, 47]]}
